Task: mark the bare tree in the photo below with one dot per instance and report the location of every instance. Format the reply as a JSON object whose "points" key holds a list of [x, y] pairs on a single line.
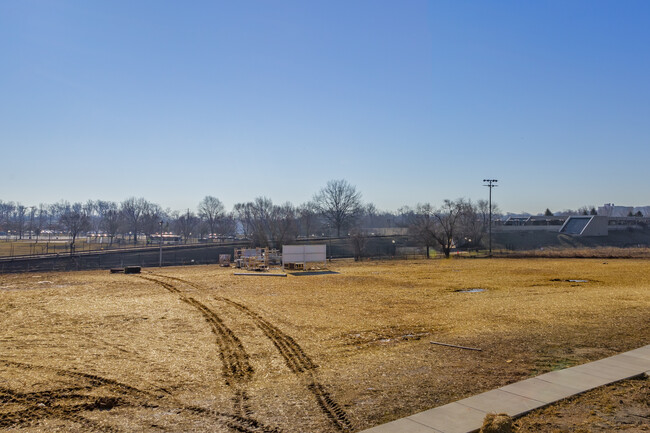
{"points": [[41, 220], [184, 224], [284, 227], [55, 211], [151, 217], [307, 218], [421, 224], [340, 204], [447, 222], [6, 211], [19, 219], [75, 220], [212, 211], [90, 208], [266, 224], [243, 213], [31, 221], [472, 224], [369, 216], [227, 225], [132, 210], [261, 213], [440, 226], [359, 240], [110, 218]]}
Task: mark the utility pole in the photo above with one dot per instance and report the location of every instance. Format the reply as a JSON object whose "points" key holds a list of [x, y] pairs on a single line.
{"points": [[160, 243], [329, 235], [31, 221], [490, 184]]}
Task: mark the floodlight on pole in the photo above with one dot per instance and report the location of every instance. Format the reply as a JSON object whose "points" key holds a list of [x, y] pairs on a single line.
{"points": [[490, 184], [31, 221]]}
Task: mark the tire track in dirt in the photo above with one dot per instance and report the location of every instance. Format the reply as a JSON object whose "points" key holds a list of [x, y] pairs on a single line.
{"points": [[65, 403], [63, 406], [48, 406], [235, 361], [94, 380], [235, 365], [295, 358], [236, 422], [299, 363]]}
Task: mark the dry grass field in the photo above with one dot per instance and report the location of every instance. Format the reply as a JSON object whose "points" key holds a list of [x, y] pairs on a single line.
{"points": [[200, 349], [27, 247], [601, 252]]}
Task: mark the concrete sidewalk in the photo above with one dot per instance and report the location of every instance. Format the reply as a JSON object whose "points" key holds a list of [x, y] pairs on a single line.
{"points": [[466, 416]]}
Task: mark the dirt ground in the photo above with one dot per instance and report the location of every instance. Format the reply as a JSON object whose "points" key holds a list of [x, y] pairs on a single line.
{"points": [[198, 348]]}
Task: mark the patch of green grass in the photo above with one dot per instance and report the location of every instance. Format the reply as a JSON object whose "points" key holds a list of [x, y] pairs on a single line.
{"points": [[546, 364]]}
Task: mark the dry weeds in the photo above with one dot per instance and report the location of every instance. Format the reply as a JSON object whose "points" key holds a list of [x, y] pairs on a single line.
{"points": [[197, 348], [584, 253]]}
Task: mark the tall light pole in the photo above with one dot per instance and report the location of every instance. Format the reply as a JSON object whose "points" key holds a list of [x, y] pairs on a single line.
{"points": [[490, 184], [329, 235], [160, 243], [31, 221]]}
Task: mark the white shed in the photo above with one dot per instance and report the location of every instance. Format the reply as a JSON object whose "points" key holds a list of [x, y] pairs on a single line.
{"points": [[300, 256]]}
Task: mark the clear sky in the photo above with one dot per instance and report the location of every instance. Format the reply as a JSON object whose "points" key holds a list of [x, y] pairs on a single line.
{"points": [[411, 101]]}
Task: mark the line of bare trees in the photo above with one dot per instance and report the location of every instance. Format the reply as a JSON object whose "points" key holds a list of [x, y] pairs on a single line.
{"points": [[336, 210], [455, 224]]}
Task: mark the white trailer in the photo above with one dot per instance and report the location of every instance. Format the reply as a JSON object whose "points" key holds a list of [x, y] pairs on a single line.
{"points": [[302, 256]]}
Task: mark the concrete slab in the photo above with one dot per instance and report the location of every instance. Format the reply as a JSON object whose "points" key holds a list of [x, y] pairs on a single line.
{"points": [[499, 401], [403, 425], [575, 379], [606, 371], [642, 352], [451, 418], [626, 361], [541, 390]]}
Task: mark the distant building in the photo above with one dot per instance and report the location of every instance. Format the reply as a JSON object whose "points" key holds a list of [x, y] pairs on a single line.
{"points": [[581, 225], [611, 210]]}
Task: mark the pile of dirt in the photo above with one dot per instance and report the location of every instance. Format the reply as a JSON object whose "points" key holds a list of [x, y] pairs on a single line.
{"points": [[497, 423]]}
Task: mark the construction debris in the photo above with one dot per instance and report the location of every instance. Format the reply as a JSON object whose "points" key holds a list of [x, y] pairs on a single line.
{"points": [[453, 345], [255, 259]]}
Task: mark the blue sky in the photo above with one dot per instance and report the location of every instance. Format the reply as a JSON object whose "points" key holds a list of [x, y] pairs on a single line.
{"points": [[413, 101]]}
